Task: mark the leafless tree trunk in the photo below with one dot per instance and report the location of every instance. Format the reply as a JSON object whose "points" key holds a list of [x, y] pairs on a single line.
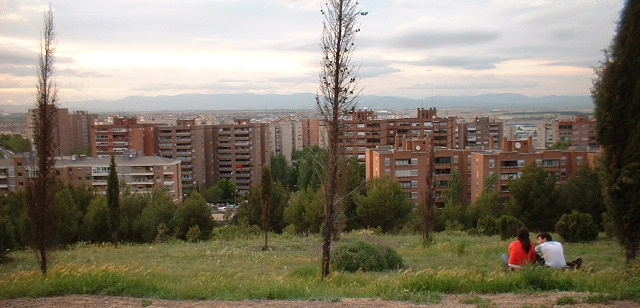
{"points": [[41, 186], [337, 95]]}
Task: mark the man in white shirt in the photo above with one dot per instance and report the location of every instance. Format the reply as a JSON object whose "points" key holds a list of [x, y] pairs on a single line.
{"points": [[551, 251]]}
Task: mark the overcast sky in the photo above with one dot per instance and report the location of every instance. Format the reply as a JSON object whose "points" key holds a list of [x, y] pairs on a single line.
{"points": [[407, 48]]}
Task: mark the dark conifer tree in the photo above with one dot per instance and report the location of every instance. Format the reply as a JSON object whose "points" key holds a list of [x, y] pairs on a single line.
{"points": [[616, 91], [113, 200]]}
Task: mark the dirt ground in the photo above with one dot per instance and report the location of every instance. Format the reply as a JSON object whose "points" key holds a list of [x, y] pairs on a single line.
{"points": [[448, 301]]}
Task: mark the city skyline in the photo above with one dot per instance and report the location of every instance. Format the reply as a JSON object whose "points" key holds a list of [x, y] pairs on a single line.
{"points": [[414, 49]]}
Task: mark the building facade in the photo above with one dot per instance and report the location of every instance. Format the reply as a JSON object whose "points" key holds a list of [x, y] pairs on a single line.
{"points": [[141, 174], [479, 132], [515, 155], [71, 132], [120, 134], [192, 144], [240, 150], [363, 130]]}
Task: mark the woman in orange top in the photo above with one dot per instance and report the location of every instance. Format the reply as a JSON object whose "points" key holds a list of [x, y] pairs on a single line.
{"points": [[522, 251]]}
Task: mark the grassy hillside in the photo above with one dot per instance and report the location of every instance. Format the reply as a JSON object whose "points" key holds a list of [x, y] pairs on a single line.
{"points": [[239, 269]]}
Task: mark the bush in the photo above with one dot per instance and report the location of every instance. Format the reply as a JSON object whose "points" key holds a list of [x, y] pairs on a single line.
{"points": [[194, 233], [577, 227], [362, 256], [488, 225], [508, 226], [232, 232]]}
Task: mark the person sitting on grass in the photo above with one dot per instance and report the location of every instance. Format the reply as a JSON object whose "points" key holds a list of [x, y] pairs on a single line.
{"points": [[553, 253], [521, 251]]}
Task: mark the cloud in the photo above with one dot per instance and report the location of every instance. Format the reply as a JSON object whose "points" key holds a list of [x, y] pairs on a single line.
{"points": [[464, 62], [482, 82], [82, 74], [430, 39]]}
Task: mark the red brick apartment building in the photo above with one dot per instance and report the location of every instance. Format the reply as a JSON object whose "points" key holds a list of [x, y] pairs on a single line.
{"points": [[363, 130], [514, 156], [579, 132], [72, 131], [121, 135], [192, 144], [240, 150], [410, 165]]}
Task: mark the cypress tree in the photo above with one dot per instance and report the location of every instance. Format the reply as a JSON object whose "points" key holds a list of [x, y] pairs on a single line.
{"points": [[113, 201], [616, 92]]}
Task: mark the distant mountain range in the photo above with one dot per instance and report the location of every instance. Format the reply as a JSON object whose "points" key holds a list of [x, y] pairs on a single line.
{"points": [[189, 102]]}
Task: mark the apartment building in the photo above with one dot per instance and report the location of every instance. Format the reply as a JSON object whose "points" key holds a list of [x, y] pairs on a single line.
{"points": [[121, 134], [240, 150], [192, 144], [71, 131], [512, 159], [142, 174], [579, 132], [7, 176], [478, 133], [410, 165], [363, 130], [286, 135]]}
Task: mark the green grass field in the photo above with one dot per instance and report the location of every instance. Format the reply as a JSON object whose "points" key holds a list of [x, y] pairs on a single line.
{"points": [[236, 270]]}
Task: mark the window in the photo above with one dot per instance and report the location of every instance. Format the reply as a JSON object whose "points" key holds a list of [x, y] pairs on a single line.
{"points": [[520, 163], [387, 161], [406, 173], [443, 160], [492, 163], [414, 195], [455, 159]]}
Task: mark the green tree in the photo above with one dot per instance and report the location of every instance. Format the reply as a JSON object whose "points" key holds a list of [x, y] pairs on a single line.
{"points": [[250, 211], [534, 199], [159, 216], [212, 194], [385, 205], [113, 200], [355, 184], [228, 189], [616, 92], [583, 193], [455, 214], [70, 217], [304, 212], [282, 172], [95, 228], [310, 166], [490, 202], [131, 225], [41, 189], [15, 143], [194, 211], [266, 184]]}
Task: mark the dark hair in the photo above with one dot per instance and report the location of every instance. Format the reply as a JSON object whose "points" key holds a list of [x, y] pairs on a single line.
{"points": [[523, 237], [546, 236]]}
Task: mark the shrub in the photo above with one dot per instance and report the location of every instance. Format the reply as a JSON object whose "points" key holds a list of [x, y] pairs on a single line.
{"points": [[488, 225], [508, 226], [362, 256], [577, 227], [194, 233], [232, 232]]}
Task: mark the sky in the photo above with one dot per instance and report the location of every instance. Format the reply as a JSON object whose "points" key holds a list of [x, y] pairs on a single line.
{"points": [[108, 50]]}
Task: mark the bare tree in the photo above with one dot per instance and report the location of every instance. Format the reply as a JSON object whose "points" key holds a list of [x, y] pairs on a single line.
{"points": [[338, 93], [41, 186]]}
